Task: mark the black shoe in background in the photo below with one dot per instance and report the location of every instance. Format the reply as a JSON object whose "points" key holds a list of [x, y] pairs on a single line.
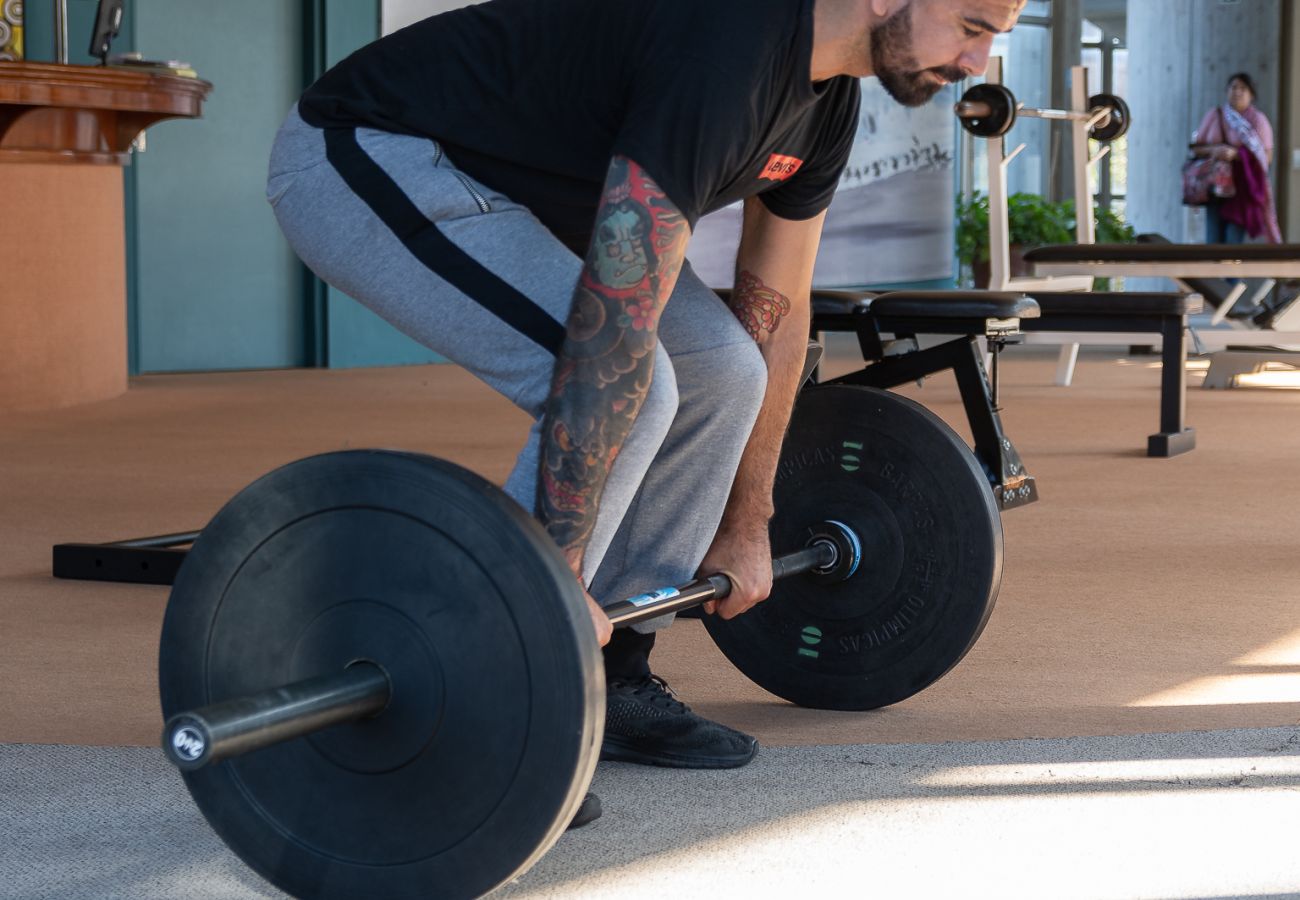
{"points": [[646, 724]]}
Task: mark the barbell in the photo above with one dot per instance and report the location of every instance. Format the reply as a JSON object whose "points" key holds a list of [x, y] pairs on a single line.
{"points": [[989, 110], [378, 675]]}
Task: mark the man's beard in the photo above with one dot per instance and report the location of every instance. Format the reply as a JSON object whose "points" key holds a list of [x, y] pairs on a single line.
{"points": [[896, 66]]}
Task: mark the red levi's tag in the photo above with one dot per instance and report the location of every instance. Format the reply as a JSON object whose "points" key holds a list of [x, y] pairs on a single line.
{"points": [[779, 167]]}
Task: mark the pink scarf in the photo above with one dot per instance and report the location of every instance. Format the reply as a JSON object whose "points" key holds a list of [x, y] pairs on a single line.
{"points": [[1252, 208]]}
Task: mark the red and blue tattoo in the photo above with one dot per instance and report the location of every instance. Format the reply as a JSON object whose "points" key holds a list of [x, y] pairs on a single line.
{"points": [[603, 372]]}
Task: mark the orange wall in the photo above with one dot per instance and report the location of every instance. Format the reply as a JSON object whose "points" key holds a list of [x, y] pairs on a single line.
{"points": [[62, 285]]}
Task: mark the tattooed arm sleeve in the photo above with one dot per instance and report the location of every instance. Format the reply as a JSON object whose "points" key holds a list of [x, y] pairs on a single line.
{"points": [[603, 371]]}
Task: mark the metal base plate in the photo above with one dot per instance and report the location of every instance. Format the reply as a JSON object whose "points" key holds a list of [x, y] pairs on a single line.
{"points": [[1167, 444]]}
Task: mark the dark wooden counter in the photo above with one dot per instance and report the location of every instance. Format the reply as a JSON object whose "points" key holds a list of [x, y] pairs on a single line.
{"points": [[86, 114]]}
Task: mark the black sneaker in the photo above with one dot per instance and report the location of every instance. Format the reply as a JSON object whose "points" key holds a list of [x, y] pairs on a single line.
{"points": [[645, 723], [587, 813]]}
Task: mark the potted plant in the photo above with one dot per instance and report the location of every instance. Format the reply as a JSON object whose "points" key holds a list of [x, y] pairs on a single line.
{"points": [[1034, 221]]}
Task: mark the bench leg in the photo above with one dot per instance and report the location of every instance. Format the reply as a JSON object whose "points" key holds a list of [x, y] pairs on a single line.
{"points": [[1013, 485], [1065, 363], [1174, 437], [1225, 306]]}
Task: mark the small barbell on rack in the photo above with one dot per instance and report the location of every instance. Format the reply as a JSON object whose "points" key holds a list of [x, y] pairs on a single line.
{"points": [[989, 110]]}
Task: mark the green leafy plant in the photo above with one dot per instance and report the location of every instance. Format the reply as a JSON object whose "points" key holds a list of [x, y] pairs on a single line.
{"points": [[1112, 229], [1034, 221]]}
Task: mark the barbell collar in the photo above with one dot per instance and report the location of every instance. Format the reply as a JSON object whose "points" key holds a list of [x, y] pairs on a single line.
{"points": [[210, 734]]}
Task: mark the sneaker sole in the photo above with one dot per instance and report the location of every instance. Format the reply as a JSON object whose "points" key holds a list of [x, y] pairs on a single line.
{"points": [[615, 750]]}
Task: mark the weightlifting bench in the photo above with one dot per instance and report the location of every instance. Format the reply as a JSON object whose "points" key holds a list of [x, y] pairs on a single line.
{"points": [[947, 312], [1202, 269], [887, 325]]}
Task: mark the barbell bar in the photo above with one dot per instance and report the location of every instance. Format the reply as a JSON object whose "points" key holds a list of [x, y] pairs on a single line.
{"points": [[989, 110], [200, 737]]}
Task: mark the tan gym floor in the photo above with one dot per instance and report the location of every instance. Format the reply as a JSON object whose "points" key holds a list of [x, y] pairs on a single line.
{"points": [[1140, 595]]}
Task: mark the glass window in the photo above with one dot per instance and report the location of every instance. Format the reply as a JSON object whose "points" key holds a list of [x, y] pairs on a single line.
{"points": [[1119, 149], [1119, 73], [1094, 62]]}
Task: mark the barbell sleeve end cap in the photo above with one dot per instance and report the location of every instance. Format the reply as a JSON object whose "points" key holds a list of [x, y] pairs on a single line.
{"points": [[187, 741]]}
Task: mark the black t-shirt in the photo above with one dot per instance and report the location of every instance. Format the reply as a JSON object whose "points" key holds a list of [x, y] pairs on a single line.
{"points": [[534, 97]]}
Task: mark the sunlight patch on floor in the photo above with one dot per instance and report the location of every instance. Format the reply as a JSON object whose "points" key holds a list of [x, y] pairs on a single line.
{"points": [[1241, 687], [1134, 771], [1164, 842]]}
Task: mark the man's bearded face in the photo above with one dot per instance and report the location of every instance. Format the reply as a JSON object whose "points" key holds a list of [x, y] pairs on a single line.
{"points": [[894, 60]]}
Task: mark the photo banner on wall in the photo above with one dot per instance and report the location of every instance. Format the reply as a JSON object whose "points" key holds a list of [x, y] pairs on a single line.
{"points": [[892, 217], [11, 30]]}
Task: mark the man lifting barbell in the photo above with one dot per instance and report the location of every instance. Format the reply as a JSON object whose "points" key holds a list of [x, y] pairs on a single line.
{"points": [[454, 176]]}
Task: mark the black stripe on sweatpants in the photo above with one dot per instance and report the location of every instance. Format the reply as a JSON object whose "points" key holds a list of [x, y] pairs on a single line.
{"points": [[433, 248]]}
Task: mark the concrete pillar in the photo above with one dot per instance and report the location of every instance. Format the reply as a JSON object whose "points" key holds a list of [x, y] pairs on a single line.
{"points": [[1287, 162], [1067, 52]]}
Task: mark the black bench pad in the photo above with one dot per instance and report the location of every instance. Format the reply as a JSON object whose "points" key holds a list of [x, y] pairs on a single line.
{"points": [[1110, 304], [841, 303], [1216, 290], [926, 304], [1164, 253]]}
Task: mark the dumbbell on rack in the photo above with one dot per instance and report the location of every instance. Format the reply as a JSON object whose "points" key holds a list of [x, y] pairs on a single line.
{"points": [[989, 110]]}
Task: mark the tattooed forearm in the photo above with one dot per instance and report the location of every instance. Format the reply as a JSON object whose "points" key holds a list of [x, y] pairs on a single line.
{"points": [[603, 372], [758, 307]]}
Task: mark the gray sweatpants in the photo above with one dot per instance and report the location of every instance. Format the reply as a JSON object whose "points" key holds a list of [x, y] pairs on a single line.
{"points": [[470, 274]]}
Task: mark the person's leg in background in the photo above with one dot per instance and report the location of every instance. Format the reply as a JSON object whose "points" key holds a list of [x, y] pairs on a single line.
{"points": [[1215, 224], [1219, 230]]}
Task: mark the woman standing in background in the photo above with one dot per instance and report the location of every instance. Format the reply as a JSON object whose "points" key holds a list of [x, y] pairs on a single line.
{"points": [[1239, 133]]}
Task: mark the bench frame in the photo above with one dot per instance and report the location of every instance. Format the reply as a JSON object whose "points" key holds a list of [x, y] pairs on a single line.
{"points": [[1174, 437], [1012, 484]]}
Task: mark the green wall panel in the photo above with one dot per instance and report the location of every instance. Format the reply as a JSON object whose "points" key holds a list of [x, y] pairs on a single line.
{"points": [[38, 30], [212, 284], [217, 286]]}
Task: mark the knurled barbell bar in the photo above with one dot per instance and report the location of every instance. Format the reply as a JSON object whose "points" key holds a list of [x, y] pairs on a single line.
{"points": [[412, 659], [989, 110]]}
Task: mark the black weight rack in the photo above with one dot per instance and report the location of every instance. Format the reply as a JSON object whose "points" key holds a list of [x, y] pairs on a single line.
{"points": [[146, 560]]}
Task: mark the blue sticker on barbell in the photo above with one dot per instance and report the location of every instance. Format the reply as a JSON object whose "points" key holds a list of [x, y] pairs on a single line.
{"points": [[654, 597]]}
